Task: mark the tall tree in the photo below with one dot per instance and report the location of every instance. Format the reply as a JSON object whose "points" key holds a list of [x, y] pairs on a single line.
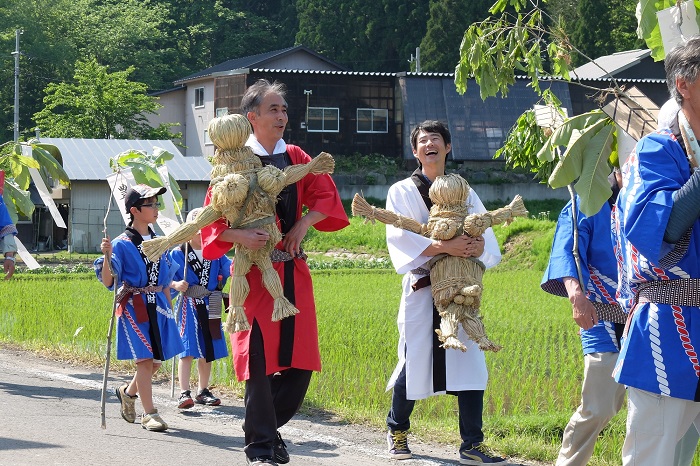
{"points": [[448, 20], [97, 104]]}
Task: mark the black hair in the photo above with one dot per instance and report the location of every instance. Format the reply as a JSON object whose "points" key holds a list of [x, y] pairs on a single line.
{"points": [[254, 95], [431, 126]]}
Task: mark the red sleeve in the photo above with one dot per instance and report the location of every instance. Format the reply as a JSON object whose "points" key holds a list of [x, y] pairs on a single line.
{"points": [[212, 246], [319, 193]]}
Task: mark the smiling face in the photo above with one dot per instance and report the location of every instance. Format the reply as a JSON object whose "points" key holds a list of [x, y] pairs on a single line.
{"points": [[270, 119], [431, 151]]}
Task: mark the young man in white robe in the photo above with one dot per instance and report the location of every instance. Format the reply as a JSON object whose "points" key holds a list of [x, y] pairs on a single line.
{"points": [[424, 369]]}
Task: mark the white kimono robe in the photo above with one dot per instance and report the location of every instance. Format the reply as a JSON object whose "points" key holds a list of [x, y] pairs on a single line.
{"points": [[464, 371]]}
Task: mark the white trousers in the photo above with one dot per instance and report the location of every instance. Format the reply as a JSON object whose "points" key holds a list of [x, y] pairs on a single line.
{"points": [[601, 399], [655, 424]]}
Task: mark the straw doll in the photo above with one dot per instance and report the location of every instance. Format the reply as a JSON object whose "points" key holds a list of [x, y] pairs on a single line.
{"points": [[244, 192], [456, 281]]}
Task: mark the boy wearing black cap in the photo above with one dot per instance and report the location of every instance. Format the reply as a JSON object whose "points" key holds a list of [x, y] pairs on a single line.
{"points": [[146, 327]]}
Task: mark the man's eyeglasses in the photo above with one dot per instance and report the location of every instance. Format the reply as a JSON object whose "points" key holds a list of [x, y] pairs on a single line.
{"points": [[152, 205]]}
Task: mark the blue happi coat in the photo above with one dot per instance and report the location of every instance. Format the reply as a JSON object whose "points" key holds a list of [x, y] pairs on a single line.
{"points": [[133, 336], [598, 268], [659, 353], [186, 313]]}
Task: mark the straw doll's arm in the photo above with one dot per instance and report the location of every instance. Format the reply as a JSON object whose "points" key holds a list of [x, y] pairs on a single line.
{"points": [[477, 224], [272, 180], [155, 247], [361, 208]]}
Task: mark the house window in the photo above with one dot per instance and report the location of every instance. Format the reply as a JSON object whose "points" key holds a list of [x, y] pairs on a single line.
{"points": [[199, 97], [372, 120], [323, 120], [221, 112], [207, 140]]}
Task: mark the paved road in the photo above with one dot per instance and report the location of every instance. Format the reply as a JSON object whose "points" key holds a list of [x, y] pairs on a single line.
{"points": [[50, 415]]}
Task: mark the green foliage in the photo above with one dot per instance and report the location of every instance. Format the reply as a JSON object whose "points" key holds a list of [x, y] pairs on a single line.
{"points": [[447, 22], [525, 140], [363, 163], [493, 50], [377, 35], [98, 104]]}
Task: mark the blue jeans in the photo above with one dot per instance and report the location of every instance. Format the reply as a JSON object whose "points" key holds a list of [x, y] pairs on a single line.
{"points": [[469, 402]]}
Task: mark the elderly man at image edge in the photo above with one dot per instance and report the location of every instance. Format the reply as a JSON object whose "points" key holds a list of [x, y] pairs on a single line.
{"points": [[276, 359], [657, 238]]}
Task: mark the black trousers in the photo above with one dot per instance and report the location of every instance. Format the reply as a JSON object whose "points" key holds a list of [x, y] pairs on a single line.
{"points": [[270, 400], [469, 402]]}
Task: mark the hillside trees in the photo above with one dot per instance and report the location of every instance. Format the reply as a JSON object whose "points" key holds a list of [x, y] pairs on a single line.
{"points": [[449, 19], [363, 35]]}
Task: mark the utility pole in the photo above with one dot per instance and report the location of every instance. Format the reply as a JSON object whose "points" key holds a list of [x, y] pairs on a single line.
{"points": [[16, 54], [417, 59]]}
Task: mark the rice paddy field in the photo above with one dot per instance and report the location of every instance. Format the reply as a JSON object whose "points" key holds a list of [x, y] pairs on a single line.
{"points": [[534, 383]]}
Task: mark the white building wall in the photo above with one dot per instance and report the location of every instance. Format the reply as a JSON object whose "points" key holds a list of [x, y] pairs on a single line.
{"points": [[197, 119], [173, 111]]}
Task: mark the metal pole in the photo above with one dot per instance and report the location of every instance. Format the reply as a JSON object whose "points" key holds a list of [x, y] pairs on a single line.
{"points": [[16, 54], [417, 59]]}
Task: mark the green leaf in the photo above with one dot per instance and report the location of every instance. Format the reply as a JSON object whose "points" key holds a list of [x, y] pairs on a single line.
{"points": [[586, 158], [593, 187], [17, 200], [161, 155], [48, 162], [572, 161], [562, 134]]}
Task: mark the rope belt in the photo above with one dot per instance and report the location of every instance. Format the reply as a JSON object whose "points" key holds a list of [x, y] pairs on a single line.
{"points": [[127, 290], [277, 255], [680, 292], [423, 281], [215, 299], [610, 312]]}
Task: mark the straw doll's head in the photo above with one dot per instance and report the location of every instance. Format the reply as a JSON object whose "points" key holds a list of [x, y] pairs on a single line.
{"points": [[449, 195], [229, 134]]}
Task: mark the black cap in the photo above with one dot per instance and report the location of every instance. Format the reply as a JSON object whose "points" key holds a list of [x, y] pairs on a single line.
{"points": [[140, 191]]}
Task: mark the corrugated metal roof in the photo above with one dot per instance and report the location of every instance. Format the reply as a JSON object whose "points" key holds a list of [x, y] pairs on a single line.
{"points": [[610, 65], [252, 61], [88, 159], [338, 72]]}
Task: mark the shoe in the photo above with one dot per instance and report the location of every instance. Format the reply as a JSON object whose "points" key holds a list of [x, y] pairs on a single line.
{"points": [[153, 422], [128, 410], [398, 445], [260, 461], [185, 400], [480, 454], [279, 449], [206, 398]]}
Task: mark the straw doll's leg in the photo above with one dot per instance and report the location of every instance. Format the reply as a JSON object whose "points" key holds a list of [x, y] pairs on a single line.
{"points": [[282, 307], [449, 325], [471, 321], [236, 320]]}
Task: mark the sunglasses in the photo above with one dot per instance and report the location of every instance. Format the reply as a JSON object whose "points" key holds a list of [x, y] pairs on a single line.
{"points": [[152, 205]]}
